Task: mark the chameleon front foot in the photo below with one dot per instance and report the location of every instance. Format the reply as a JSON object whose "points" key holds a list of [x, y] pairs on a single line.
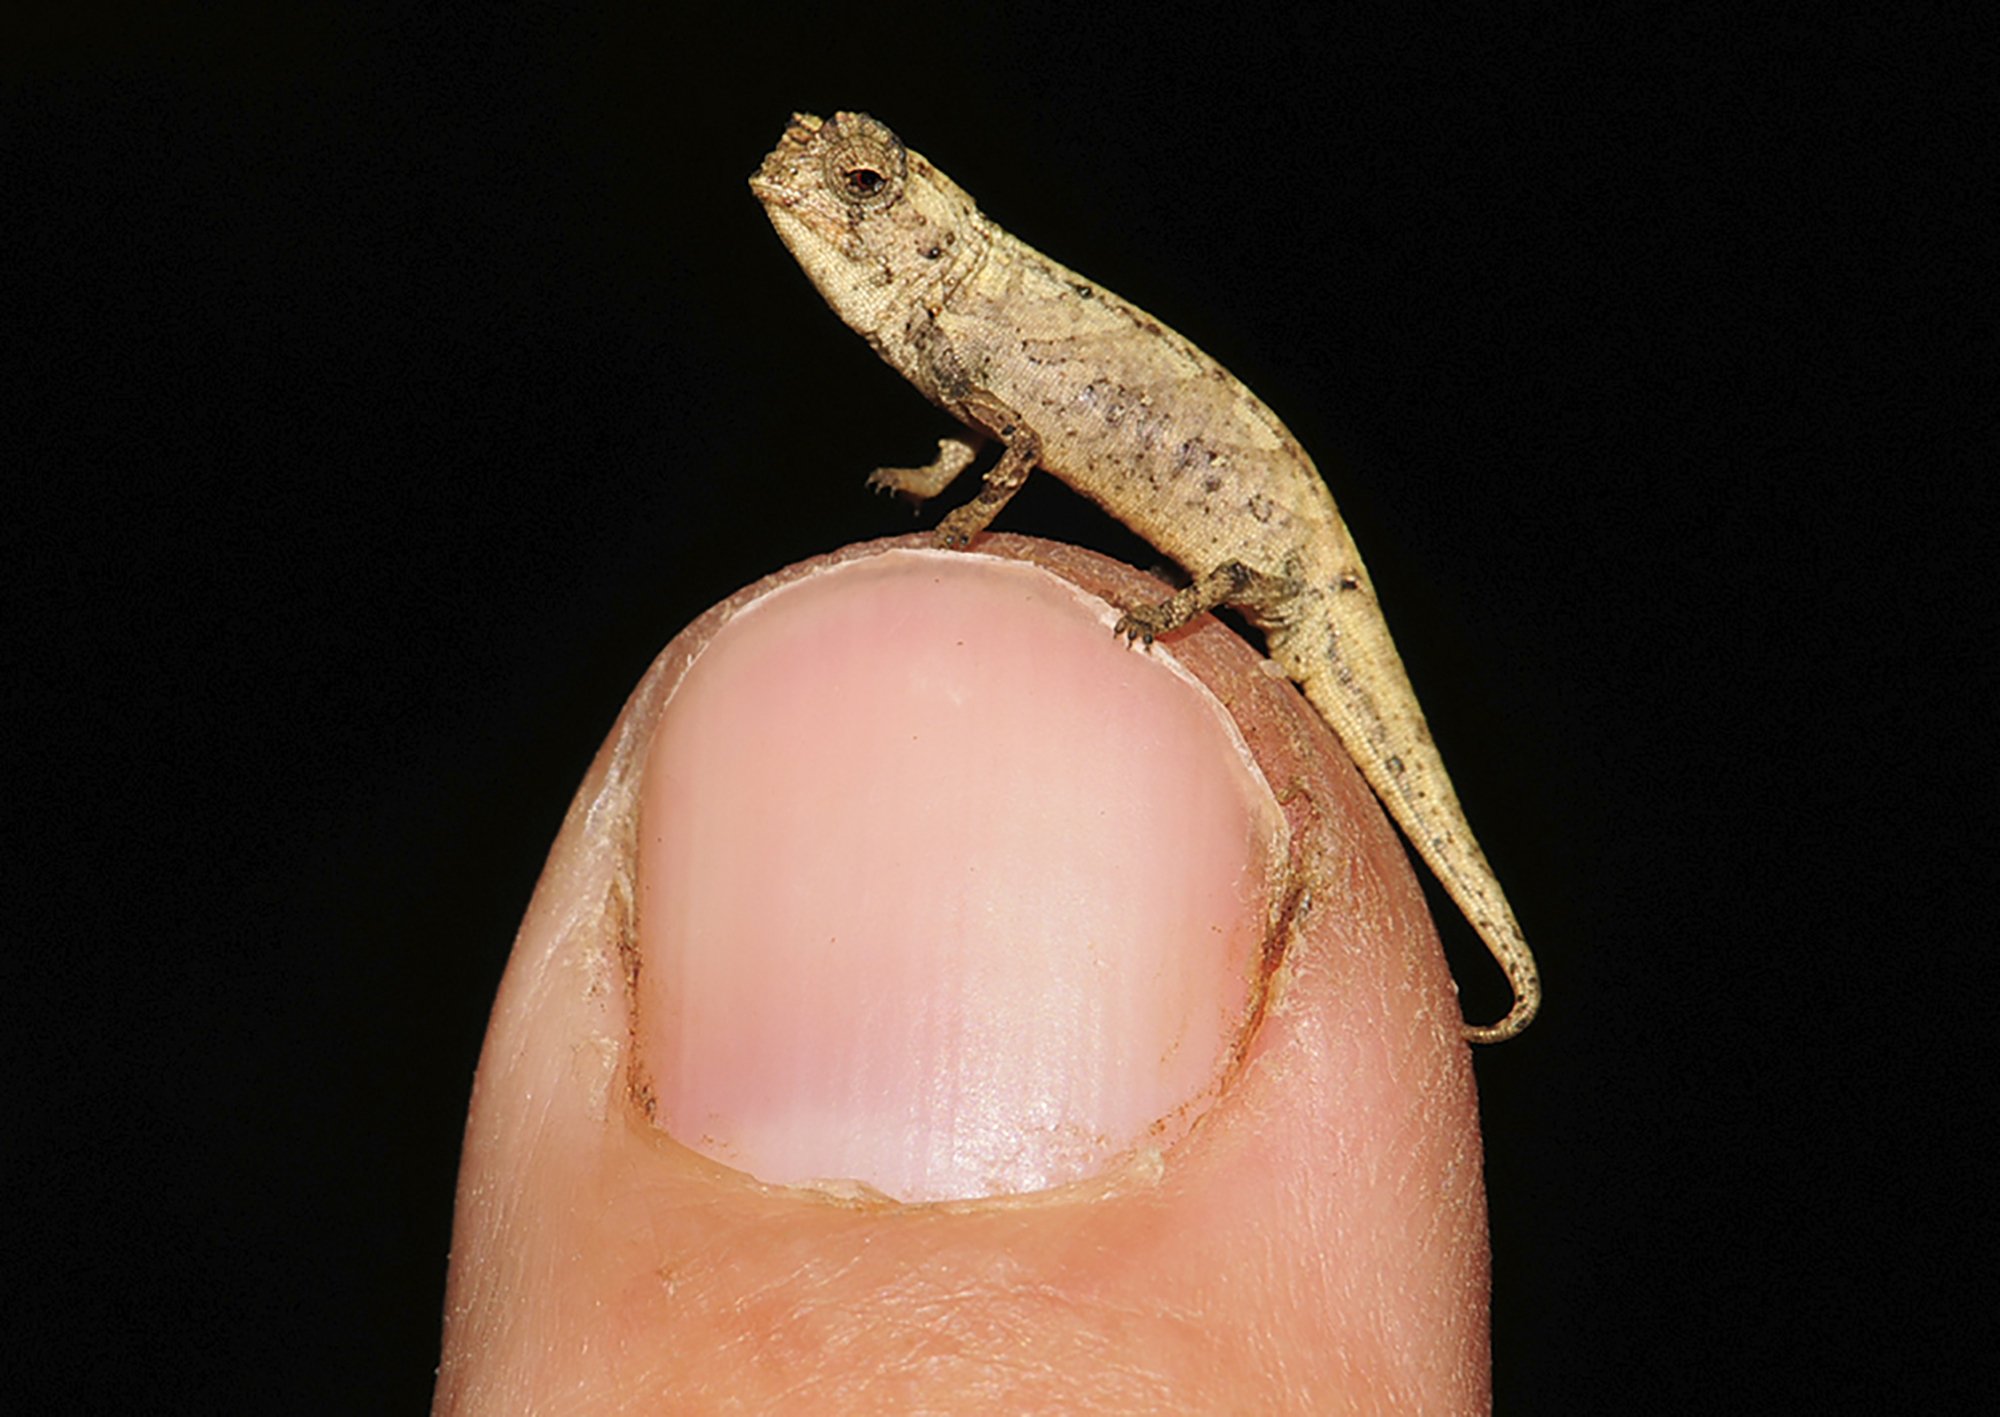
{"points": [[918, 485], [960, 526]]}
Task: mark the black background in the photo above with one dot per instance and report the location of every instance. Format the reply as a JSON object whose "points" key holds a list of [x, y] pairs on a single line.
{"points": [[384, 389]]}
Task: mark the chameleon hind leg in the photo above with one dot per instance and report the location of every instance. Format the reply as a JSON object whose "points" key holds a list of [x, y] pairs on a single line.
{"points": [[1231, 583]]}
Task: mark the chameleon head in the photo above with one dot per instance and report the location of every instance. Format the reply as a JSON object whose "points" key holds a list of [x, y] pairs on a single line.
{"points": [[869, 220]]}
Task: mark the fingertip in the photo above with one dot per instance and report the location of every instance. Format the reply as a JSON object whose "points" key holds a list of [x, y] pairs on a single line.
{"points": [[1325, 1214]]}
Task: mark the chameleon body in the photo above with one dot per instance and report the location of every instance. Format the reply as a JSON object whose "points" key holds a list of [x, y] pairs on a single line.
{"points": [[1068, 377]]}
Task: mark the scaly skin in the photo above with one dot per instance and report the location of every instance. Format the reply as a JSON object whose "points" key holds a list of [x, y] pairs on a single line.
{"points": [[1070, 378]]}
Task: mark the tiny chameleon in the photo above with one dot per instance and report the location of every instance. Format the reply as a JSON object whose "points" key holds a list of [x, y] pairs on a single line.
{"points": [[1068, 377]]}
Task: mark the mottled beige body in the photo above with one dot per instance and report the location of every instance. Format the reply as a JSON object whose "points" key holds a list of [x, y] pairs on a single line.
{"points": [[1072, 379]]}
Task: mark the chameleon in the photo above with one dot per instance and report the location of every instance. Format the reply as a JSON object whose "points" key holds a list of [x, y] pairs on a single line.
{"points": [[1067, 377]]}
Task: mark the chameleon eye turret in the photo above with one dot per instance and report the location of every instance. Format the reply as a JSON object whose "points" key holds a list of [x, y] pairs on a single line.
{"points": [[865, 163]]}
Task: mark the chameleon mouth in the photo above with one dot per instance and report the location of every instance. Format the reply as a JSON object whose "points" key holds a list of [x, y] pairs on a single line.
{"points": [[767, 182], [798, 219], [789, 215]]}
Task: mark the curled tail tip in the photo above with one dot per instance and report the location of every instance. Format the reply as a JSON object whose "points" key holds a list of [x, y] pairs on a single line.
{"points": [[1518, 1018]]}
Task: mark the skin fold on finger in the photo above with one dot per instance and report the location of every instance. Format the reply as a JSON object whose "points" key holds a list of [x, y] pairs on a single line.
{"points": [[1315, 1242]]}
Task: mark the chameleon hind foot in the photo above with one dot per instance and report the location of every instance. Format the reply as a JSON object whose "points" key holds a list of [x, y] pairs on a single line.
{"points": [[1231, 583]]}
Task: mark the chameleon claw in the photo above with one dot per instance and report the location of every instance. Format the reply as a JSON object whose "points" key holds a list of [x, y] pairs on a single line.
{"points": [[957, 530], [886, 487], [1133, 630]]}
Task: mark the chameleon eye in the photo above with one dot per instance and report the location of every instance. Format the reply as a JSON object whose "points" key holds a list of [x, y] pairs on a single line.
{"points": [[866, 164], [863, 182]]}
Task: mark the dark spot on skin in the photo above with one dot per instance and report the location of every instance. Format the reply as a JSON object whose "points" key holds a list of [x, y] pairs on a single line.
{"points": [[1106, 397], [1151, 327], [1394, 765], [933, 253], [1085, 291], [1261, 509], [1195, 454], [1348, 582]]}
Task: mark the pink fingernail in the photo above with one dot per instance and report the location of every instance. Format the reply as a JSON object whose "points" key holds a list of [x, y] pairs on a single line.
{"points": [[943, 889]]}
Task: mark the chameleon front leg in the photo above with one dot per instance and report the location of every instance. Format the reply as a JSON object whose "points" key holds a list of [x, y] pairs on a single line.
{"points": [[1003, 479], [920, 484], [1231, 583]]}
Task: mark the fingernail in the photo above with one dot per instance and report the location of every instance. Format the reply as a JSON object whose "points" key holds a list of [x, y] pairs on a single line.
{"points": [[942, 888]]}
